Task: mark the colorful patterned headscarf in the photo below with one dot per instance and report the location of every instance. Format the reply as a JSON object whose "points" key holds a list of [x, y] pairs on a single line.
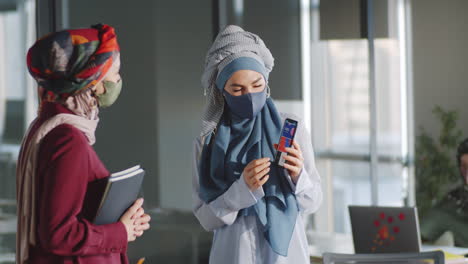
{"points": [[67, 62]]}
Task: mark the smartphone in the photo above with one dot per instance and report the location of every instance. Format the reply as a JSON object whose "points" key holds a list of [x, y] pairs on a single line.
{"points": [[285, 141]]}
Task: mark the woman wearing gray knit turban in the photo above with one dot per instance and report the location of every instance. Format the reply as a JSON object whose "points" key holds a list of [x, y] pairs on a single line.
{"points": [[254, 207]]}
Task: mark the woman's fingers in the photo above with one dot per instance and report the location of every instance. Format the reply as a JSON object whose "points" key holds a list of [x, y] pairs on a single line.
{"points": [[262, 181], [292, 168], [143, 219], [137, 204], [294, 152], [134, 208], [296, 145], [255, 163], [262, 173], [138, 213], [260, 169], [256, 170], [142, 223], [260, 177], [142, 227], [293, 160], [145, 227]]}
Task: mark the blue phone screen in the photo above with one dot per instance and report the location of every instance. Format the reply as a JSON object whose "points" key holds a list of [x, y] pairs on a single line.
{"points": [[287, 135]]}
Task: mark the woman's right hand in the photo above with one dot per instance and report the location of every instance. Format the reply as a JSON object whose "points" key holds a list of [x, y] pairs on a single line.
{"points": [[129, 220], [255, 173]]}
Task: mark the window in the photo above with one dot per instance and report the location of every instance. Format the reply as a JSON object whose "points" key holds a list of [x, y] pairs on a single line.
{"points": [[16, 34], [342, 110]]}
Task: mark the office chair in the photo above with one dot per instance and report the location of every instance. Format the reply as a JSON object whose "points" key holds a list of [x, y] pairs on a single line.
{"points": [[431, 257]]}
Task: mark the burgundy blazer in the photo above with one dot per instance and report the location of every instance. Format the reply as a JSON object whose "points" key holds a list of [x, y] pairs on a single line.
{"points": [[66, 164]]}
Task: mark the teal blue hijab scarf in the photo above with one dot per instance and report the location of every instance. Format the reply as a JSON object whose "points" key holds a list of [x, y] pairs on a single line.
{"points": [[239, 140]]}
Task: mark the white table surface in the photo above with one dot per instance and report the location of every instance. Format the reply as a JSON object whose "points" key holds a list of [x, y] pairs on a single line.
{"points": [[320, 242]]}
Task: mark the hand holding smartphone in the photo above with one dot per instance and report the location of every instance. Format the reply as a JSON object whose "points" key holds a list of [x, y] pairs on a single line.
{"points": [[285, 141]]}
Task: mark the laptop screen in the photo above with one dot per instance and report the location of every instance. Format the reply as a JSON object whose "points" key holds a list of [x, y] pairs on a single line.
{"points": [[385, 229]]}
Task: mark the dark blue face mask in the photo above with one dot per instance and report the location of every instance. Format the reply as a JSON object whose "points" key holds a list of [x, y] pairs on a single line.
{"points": [[246, 106]]}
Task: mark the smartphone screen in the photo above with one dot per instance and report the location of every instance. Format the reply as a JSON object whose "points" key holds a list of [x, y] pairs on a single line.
{"points": [[286, 138]]}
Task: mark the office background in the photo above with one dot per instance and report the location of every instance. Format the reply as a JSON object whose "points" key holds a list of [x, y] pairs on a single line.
{"points": [[322, 73]]}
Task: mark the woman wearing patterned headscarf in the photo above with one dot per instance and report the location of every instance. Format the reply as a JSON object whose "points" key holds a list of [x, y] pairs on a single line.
{"points": [[254, 207], [77, 72]]}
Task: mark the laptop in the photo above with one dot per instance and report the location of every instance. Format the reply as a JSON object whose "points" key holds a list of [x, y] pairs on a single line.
{"points": [[385, 229]]}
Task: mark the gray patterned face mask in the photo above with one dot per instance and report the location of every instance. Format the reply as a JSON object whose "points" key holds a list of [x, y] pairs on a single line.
{"points": [[113, 90], [246, 106]]}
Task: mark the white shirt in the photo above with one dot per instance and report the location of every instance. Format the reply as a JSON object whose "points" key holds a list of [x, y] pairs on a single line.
{"points": [[238, 240]]}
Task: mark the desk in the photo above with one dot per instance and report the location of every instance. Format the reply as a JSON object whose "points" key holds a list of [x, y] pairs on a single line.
{"points": [[320, 242]]}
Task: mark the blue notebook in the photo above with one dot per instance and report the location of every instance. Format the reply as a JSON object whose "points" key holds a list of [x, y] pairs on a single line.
{"points": [[115, 194]]}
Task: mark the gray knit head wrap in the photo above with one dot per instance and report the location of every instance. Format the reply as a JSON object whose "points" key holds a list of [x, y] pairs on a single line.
{"points": [[232, 43]]}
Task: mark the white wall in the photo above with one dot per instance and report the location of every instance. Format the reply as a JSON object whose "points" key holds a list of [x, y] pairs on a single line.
{"points": [[440, 49]]}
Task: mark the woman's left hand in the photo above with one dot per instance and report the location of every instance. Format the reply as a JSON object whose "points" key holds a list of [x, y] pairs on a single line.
{"points": [[141, 222], [295, 161]]}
